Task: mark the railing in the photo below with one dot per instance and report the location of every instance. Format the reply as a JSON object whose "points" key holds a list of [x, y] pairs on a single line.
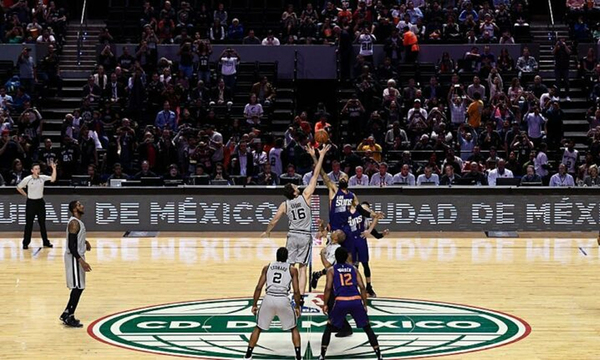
{"points": [[551, 13], [82, 33]]}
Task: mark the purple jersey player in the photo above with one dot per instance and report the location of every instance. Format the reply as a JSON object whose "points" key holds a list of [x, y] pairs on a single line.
{"points": [[345, 282]]}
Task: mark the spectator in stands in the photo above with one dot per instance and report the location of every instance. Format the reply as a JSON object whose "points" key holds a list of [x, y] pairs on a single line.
{"points": [[290, 175], [166, 119], [217, 33], [474, 111], [450, 177], [251, 39], [235, 32], [526, 64], [475, 175], [541, 163], [336, 173], [500, 172], [264, 91], [359, 179], [242, 162], [382, 177], [370, 145], [562, 179], [428, 177], [592, 179], [531, 176], [229, 61], [267, 176], [404, 177], [100, 78], [117, 173], [411, 45], [126, 60], [221, 95], [270, 40], [220, 13], [26, 65], [49, 71], [562, 59], [185, 17], [21, 99], [537, 88], [145, 171], [554, 125]]}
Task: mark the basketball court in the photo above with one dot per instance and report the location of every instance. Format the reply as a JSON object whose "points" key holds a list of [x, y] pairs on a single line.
{"points": [[547, 284]]}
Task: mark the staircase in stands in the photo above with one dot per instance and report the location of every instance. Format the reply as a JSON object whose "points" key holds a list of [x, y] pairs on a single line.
{"points": [[74, 77], [575, 122]]}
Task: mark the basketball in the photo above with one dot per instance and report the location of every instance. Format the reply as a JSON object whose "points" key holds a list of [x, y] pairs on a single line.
{"points": [[321, 136]]}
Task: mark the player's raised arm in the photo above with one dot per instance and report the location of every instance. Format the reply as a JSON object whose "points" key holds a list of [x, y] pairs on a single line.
{"points": [[296, 289], [310, 189], [324, 260], [261, 282], [371, 227], [328, 288], [330, 184], [274, 221]]}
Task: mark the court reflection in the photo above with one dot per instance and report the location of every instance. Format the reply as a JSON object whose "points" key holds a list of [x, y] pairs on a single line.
{"points": [[231, 250]]}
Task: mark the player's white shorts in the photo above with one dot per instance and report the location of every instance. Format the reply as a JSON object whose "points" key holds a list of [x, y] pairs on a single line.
{"points": [[299, 246], [74, 273], [279, 306]]}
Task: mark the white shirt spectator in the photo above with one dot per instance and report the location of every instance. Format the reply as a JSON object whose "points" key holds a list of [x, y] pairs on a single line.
{"points": [[458, 113], [495, 174], [306, 178], [336, 177], [377, 180], [535, 124], [434, 178], [228, 65], [356, 181], [251, 110], [545, 97], [540, 160], [570, 158], [404, 180], [558, 180], [421, 112], [271, 42], [366, 44]]}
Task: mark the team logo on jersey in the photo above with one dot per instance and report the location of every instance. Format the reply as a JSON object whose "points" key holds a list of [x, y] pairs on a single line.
{"points": [[220, 329]]}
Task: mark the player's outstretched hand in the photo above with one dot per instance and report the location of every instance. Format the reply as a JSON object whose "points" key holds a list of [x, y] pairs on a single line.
{"points": [[364, 234], [386, 232], [88, 246], [325, 149], [310, 149], [379, 215], [254, 310], [265, 235]]}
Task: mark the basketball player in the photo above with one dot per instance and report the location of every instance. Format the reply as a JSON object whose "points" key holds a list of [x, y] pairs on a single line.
{"points": [[75, 264], [357, 224], [277, 276], [298, 211], [35, 205], [343, 279], [328, 255]]}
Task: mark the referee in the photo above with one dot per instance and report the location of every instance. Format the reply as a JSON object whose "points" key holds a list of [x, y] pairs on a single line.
{"points": [[35, 202]]}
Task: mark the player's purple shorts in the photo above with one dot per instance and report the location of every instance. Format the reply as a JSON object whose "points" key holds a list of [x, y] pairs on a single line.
{"points": [[352, 307], [361, 250]]}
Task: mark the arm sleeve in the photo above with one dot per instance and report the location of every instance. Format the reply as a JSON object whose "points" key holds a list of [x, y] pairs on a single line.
{"points": [[363, 212], [73, 245], [376, 234]]}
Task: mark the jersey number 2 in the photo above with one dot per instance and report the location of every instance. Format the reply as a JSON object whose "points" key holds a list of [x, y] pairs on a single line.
{"points": [[277, 278], [346, 279]]}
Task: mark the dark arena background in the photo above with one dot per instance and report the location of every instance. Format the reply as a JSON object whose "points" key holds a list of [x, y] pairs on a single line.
{"points": [[471, 127]]}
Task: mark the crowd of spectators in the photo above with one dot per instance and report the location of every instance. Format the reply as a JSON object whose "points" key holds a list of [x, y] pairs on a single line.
{"points": [[481, 118]]}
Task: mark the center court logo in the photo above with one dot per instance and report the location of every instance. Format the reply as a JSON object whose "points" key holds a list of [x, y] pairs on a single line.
{"points": [[220, 329]]}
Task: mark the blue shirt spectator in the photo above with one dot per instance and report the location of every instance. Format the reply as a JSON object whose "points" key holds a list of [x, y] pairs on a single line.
{"points": [[166, 118]]}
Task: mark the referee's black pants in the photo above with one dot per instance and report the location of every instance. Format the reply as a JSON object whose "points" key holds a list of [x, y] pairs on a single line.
{"points": [[35, 207]]}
